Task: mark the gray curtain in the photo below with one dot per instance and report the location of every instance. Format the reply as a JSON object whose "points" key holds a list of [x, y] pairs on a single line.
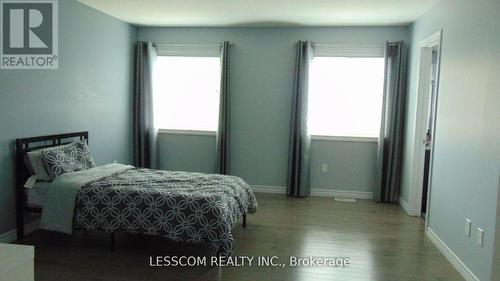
{"points": [[300, 140], [145, 133], [222, 165], [390, 144]]}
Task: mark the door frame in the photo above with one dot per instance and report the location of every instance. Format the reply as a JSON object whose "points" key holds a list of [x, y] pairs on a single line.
{"points": [[420, 129]]}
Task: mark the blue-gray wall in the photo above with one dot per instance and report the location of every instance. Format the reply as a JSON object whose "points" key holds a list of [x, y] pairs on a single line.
{"points": [[351, 165], [91, 91], [261, 81], [467, 147], [192, 153]]}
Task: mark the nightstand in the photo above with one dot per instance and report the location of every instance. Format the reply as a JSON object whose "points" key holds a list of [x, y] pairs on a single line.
{"points": [[17, 262]]}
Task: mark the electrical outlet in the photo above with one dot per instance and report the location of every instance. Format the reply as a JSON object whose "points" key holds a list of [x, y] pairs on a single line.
{"points": [[467, 227], [324, 168], [480, 233]]}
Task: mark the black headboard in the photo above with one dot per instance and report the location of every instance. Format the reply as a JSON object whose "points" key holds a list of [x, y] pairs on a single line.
{"points": [[25, 145]]}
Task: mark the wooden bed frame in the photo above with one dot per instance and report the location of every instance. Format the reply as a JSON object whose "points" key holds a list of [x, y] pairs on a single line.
{"points": [[25, 145]]}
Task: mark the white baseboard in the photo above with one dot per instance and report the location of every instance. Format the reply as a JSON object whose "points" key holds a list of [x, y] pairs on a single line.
{"points": [[457, 263], [11, 235], [316, 192], [404, 205]]}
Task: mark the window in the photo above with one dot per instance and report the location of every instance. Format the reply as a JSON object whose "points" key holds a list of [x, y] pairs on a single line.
{"points": [[345, 96], [187, 93]]}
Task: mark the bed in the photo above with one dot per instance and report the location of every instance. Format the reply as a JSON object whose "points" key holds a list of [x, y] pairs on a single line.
{"points": [[181, 206]]}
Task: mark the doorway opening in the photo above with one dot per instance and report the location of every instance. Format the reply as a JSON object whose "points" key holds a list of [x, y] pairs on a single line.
{"points": [[425, 126], [429, 130]]}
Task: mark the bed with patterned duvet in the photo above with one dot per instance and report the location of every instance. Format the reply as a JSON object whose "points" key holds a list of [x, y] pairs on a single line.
{"points": [[181, 206]]}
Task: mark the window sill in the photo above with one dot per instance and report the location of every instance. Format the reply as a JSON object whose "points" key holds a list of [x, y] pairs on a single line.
{"points": [[346, 139], [187, 132]]}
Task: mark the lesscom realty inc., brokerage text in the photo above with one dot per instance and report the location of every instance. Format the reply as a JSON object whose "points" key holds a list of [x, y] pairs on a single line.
{"points": [[242, 261]]}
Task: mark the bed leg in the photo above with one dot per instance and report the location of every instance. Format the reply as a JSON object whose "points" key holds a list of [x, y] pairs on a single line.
{"points": [[219, 266], [20, 229], [20, 215], [244, 220], [85, 239], [112, 241]]}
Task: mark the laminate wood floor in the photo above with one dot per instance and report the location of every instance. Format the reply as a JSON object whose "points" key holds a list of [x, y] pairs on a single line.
{"points": [[382, 242]]}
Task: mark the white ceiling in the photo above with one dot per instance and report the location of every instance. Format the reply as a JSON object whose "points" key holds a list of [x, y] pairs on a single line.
{"points": [[263, 12]]}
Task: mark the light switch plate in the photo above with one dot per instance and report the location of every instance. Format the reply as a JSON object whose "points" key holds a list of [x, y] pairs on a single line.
{"points": [[467, 227], [324, 168], [480, 234]]}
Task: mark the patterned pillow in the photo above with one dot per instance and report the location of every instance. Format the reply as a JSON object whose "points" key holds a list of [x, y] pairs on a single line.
{"points": [[71, 158]]}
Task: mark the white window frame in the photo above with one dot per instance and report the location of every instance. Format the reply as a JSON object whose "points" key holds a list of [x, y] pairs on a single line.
{"points": [[187, 132], [347, 51], [342, 138]]}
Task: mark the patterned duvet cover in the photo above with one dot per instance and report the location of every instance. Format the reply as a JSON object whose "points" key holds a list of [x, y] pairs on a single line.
{"points": [[181, 206]]}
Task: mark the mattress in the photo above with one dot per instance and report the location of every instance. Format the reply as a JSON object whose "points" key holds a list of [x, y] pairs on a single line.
{"points": [[38, 194]]}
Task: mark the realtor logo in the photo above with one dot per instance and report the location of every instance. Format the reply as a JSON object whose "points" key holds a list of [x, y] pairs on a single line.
{"points": [[29, 34]]}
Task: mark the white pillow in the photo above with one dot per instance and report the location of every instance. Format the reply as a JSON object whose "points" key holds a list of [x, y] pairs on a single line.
{"points": [[37, 165]]}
